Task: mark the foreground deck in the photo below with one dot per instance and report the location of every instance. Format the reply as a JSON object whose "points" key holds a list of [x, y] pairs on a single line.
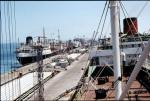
{"points": [[136, 92]]}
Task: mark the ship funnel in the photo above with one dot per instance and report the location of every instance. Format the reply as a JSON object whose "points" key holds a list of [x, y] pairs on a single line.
{"points": [[130, 26], [29, 40]]}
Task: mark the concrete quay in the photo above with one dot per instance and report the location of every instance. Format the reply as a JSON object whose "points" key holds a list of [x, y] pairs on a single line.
{"points": [[65, 79]]}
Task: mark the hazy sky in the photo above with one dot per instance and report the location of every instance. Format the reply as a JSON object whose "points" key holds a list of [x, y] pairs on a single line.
{"points": [[72, 18]]}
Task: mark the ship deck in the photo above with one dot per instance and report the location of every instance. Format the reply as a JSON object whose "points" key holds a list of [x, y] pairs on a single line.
{"points": [[136, 92]]}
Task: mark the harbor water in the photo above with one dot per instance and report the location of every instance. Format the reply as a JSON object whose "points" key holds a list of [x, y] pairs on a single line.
{"points": [[8, 61]]}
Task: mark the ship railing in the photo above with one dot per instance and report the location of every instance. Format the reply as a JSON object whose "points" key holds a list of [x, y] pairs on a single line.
{"points": [[28, 94]]}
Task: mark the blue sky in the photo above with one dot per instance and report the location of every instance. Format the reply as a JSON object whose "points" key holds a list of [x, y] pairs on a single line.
{"points": [[72, 18]]}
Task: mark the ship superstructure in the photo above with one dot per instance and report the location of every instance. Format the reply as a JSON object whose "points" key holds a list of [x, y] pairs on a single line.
{"points": [[27, 54]]}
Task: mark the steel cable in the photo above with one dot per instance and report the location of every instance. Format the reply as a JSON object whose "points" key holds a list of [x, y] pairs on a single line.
{"points": [[104, 21], [14, 16], [100, 21], [142, 9], [2, 64], [6, 33], [131, 22], [129, 27], [13, 47]]}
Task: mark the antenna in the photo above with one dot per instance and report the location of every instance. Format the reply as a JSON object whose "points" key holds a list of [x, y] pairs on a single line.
{"points": [[58, 36], [59, 39], [44, 34]]}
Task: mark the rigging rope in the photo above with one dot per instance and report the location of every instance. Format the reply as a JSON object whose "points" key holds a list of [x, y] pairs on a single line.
{"points": [[100, 21], [104, 20], [142, 8], [96, 33], [126, 20], [2, 52], [15, 35], [121, 4], [130, 27], [6, 34], [101, 34], [11, 88], [93, 38], [10, 43], [14, 16], [105, 7], [13, 47]]}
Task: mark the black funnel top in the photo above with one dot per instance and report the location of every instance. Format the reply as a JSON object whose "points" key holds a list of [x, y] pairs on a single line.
{"points": [[29, 40]]}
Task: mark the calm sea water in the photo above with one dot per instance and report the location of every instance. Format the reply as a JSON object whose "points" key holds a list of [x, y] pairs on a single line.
{"points": [[8, 59]]}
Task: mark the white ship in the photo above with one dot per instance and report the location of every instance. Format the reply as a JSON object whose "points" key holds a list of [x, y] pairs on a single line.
{"points": [[131, 46], [27, 54]]}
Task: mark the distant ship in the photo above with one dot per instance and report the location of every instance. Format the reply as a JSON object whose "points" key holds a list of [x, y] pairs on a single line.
{"points": [[131, 45], [27, 54]]}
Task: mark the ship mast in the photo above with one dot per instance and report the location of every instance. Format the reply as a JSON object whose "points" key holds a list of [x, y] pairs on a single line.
{"points": [[59, 40], [44, 35], [114, 13]]}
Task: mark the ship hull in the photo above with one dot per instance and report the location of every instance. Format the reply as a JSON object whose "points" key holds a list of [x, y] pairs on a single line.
{"points": [[32, 59]]}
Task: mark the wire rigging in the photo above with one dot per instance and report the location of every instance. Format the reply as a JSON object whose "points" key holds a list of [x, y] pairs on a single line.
{"points": [[14, 16], [13, 47], [103, 26], [123, 8], [7, 46], [104, 20], [100, 22], [10, 30], [10, 43], [140, 12], [2, 51], [96, 33]]}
